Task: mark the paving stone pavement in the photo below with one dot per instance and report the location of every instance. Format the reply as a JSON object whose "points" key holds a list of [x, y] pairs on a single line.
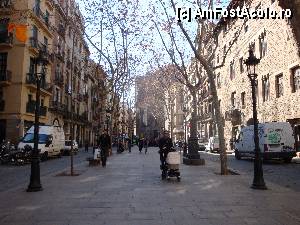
{"points": [[129, 191]]}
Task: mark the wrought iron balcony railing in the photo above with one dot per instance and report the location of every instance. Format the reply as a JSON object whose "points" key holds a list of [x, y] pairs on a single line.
{"points": [[31, 79], [43, 110], [5, 75], [30, 107], [6, 38]]}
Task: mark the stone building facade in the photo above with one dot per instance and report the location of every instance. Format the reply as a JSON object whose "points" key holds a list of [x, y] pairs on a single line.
{"points": [[278, 87]]}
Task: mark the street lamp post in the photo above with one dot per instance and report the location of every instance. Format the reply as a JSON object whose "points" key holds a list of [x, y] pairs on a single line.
{"points": [[35, 182], [258, 181], [185, 110]]}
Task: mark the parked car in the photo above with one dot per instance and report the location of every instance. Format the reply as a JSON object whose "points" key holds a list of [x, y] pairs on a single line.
{"points": [[213, 144], [202, 146], [51, 140], [276, 140], [67, 149]]}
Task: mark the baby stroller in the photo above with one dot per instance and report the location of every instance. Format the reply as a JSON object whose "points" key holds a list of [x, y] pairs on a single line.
{"points": [[170, 167]]}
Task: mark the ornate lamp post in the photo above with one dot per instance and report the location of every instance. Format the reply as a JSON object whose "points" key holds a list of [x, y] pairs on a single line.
{"points": [[258, 181], [35, 183]]}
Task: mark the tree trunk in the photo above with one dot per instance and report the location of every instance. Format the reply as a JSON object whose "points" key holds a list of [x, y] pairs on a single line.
{"points": [[193, 145], [220, 124]]}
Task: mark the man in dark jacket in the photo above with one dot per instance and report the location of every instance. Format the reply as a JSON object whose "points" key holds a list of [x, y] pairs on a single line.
{"points": [[141, 144], [164, 144], [104, 143]]}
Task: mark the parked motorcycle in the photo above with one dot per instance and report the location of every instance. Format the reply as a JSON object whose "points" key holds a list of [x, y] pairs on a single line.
{"points": [[5, 153], [21, 156], [10, 154]]}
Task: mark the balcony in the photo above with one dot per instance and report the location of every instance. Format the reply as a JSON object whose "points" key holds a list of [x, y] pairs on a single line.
{"points": [[42, 20], [58, 80], [34, 45], [5, 78], [30, 108], [6, 41], [43, 110], [2, 105], [31, 83]]}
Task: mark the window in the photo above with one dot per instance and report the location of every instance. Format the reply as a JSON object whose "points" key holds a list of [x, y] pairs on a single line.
{"points": [[262, 45], [45, 44], [232, 71], [47, 17], [3, 63], [224, 50], [34, 32], [279, 85], [266, 88], [295, 79], [31, 65], [218, 59], [218, 80], [243, 94], [241, 65], [29, 98], [233, 100]]}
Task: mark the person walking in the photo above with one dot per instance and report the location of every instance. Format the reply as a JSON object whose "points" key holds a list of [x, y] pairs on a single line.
{"points": [[146, 145], [104, 143], [86, 146], [164, 144], [129, 144], [141, 144]]}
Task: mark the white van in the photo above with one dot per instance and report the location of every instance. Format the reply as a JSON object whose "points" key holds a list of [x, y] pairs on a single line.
{"points": [[51, 140], [276, 140], [213, 144]]}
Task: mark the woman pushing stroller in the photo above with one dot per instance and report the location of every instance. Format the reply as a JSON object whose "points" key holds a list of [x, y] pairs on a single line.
{"points": [[169, 163]]}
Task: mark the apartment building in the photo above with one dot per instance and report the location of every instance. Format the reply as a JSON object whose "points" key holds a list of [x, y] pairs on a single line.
{"points": [[71, 82], [32, 33], [276, 43]]}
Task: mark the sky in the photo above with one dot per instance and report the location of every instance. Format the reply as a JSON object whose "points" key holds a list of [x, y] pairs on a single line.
{"points": [[144, 41]]}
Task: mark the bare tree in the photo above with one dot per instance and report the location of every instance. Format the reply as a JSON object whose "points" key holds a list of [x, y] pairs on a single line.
{"points": [[110, 31], [203, 50]]}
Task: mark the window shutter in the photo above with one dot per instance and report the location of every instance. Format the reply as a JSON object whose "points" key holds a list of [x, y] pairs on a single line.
{"points": [[292, 81]]}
